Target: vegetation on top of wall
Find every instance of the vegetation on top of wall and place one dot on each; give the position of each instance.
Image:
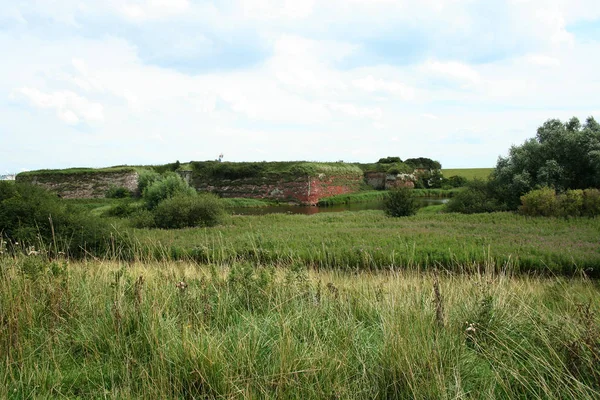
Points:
(394, 168)
(241, 170)
(389, 160)
(77, 171)
(423, 163)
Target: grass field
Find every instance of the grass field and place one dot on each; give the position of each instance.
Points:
(469, 173)
(370, 240)
(100, 329)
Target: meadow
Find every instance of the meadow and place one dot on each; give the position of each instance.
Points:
(368, 240)
(348, 305)
(177, 330)
(468, 173)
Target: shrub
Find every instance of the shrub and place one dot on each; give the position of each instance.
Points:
(570, 203)
(142, 218)
(33, 216)
(185, 211)
(541, 202)
(400, 203)
(164, 188)
(478, 197)
(123, 209)
(591, 202)
(456, 181)
(117, 192)
(146, 178)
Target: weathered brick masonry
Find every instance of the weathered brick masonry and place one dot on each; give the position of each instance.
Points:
(304, 190)
(83, 185)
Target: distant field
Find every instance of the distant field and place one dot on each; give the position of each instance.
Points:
(469, 173)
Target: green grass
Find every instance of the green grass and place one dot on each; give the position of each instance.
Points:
(99, 329)
(469, 173)
(213, 170)
(76, 171)
(370, 240)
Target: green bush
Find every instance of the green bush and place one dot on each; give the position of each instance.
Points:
(117, 192)
(142, 218)
(146, 178)
(400, 203)
(122, 209)
(478, 197)
(591, 202)
(170, 185)
(393, 171)
(570, 203)
(541, 202)
(183, 211)
(455, 181)
(34, 217)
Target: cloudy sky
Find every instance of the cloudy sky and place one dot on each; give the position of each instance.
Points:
(108, 82)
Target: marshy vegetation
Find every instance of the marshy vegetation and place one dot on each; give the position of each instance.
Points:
(249, 330)
(96, 300)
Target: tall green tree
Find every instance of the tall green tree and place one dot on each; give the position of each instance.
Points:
(561, 155)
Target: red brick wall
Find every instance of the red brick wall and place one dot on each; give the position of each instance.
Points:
(303, 190)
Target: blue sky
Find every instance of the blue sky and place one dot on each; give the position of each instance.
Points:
(99, 83)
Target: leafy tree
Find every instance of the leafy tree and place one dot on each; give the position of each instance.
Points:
(389, 160)
(423, 163)
(561, 156)
(146, 178)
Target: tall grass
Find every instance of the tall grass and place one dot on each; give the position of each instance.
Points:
(247, 330)
(370, 240)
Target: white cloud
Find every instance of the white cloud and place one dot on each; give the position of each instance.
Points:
(371, 84)
(352, 110)
(276, 9)
(153, 9)
(454, 71)
(69, 107)
(326, 71)
(542, 60)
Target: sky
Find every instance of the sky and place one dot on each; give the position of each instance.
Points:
(137, 82)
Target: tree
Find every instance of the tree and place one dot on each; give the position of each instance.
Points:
(561, 156)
